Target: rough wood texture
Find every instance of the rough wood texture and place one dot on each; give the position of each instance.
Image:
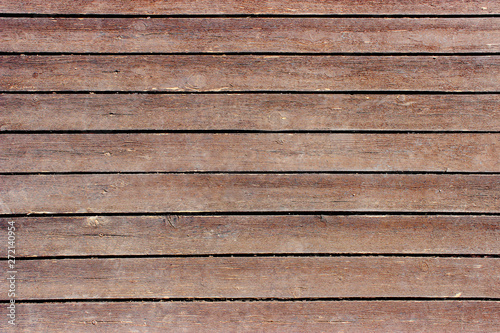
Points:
(96, 193)
(327, 35)
(250, 112)
(249, 152)
(181, 235)
(177, 73)
(299, 67)
(319, 316)
(264, 277)
(169, 7)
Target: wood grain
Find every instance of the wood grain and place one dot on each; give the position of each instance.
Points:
(345, 316)
(264, 277)
(279, 65)
(193, 235)
(168, 7)
(178, 73)
(270, 112)
(249, 152)
(112, 193)
(318, 35)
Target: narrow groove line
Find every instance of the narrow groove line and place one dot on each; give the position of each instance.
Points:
(288, 54)
(252, 299)
(246, 15)
(250, 92)
(261, 255)
(260, 213)
(229, 131)
(285, 172)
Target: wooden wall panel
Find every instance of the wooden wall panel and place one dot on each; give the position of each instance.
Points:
(388, 316)
(265, 277)
(199, 73)
(114, 193)
(243, 234)
(316, 35)
(293, 7)
(249, 152)
(266, 112)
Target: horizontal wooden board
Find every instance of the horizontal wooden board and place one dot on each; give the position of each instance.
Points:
(345, 316)
(264, 277)
(273, 112)
(168, 7)
(318, 35)
(187, 235)
(249, 152)
(178, 73)
(96, 193)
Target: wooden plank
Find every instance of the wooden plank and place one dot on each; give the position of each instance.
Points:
(249, 152)
(264, 277)
(359, 316)
(318, 35)
(192, 235)
(112, 193)
(168, 7)
(273, 112)
(177, 73)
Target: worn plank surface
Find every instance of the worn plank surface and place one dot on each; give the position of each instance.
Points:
(294, 66)
(317, 35)
(176, 73)
(264, 277)
(168, 7)
(96, 193)
(242, 234)
(249, 152)
(319, 316)
(269, 112)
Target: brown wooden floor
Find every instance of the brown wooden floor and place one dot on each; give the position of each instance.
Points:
(250, 166)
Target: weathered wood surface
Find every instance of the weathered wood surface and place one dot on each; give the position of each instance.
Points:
(300, 55)
(318, 316)
(240, 234)
(316, 35)
(113, 193)
(178, 73)
(185, 7)
(269, 112)
(249, 152)
(264, 277)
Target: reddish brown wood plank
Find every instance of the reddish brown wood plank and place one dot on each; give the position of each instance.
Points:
(96, 193)
(264, 277)
(327, 35)
(249, 152)
(181, 235)
(359, 316)
(249, 112)
(177, 73)
(168, 7)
